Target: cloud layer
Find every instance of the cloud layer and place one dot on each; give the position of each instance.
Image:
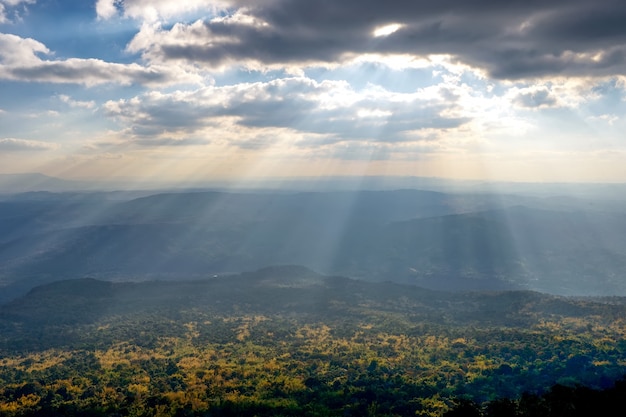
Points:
(12, 144)
(507, 40)
(20, 60)
(447, 84)
(330, 111)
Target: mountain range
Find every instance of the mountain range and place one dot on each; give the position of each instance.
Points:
(278, 291)
(445, 241)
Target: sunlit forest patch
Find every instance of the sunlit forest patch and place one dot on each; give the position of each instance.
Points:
(370, 351)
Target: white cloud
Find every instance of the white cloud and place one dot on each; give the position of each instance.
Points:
(106, 9)
(157, 10)
(4, 4)
(609, 119)
(14, 3)
(22, 51)
(77, 103)
(19, 60)
(304, 112)
(152, 37)
(394, 61)
(38, 115)
(333, 118)
(152, 41)
(240, 17)
(12, 144)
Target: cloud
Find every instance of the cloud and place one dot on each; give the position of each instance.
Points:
(11, 5)
(11, 144)
(507, 40)
(76, 103)
(332, 109)
(20, 61)
(534, 97)
(153, 10)
(609, 119)
(165, 141)
(106, 9)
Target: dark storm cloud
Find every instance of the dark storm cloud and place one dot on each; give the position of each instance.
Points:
(509, 39)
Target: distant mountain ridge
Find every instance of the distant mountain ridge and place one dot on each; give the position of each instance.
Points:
(426, 238)
(281, 289)
(18, 183)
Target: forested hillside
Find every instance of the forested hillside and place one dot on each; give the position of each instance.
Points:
(287, 341)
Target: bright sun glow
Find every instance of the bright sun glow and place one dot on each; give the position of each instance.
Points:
(387, 29)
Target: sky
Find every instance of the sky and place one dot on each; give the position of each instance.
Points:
(238, 89)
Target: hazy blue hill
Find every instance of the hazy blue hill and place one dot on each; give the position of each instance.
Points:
(287, 290)
(569, 252)
(435, 240)
(12, 183)
(273, 288)
(31, 213)
(47, 236)
(517, 247)
(224, 209)
(114, 250)
(71, 301)
(448, 252)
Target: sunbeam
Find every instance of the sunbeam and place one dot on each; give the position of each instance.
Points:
(322, 208)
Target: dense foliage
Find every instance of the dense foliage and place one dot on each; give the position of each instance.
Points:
(285, 341)
(557, 402)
